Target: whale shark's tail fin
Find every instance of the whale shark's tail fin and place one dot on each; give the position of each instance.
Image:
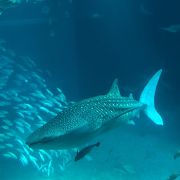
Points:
(147, 98)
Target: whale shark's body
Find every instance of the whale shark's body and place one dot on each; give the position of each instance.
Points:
(85, 120)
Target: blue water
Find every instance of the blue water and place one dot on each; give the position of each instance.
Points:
(54, 52)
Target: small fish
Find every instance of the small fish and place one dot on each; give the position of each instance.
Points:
(34, 161)
(173, 176)
(52, 113)
(83, 152)
(172, 28)
(59, 90)
(4, 96)
(5, 127)
(5, 103)
(28, 62)
(41, 156)
(20, 129)
(7, 72)
(57, 110)
(26, 112)
(20, 114)
(49, 92)
(61, 98)
(26, 150)
(12, 93)
(27, 125)
(47, 103)
(49, 168)
(23, 160)
(26, 99)
(38, 125)
(40, 79)
(38, 94)
(20, 142)
(3, 112)
(9, 145)
(17, 99)
(44, 109)
(10, 155)
(25, 106)
(177, 154)
(19, 123)
(7, 122)
(61, 167)
(56, 102)
(40, 118)
(11, 134)
(45, 153)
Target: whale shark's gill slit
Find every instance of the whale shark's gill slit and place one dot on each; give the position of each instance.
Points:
(42, 141)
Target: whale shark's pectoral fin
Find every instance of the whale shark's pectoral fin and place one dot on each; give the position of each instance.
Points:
(114, 91)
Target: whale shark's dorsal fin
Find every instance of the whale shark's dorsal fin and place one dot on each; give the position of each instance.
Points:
(114, 91)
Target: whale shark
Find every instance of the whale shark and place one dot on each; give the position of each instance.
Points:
(85, 120)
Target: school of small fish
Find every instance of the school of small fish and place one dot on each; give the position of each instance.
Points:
(26, 103)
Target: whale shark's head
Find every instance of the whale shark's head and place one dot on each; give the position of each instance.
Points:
(63, 132)
(47, 137)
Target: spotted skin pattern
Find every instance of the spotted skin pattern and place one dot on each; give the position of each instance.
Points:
(84, 120)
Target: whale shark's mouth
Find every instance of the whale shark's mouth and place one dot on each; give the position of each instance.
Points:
(45, 140)
(45, 143)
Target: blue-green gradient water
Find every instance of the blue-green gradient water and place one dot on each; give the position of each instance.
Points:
(55, 52)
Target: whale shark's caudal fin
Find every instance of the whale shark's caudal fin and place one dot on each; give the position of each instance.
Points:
(147, 98)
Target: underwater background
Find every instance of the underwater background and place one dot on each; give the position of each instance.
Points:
(54, 52)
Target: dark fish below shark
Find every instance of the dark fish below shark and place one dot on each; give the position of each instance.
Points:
(85, 120)
(86, 150)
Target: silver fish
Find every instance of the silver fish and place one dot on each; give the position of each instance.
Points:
(34, 161)
(20, 129)
(47, 103)
(5, 127)
(45, 153)
(9, 145)
(10, 155)
(7, 122)
(49, 92)
(44, 109)
(3, 112)
(38, 94)
(172, 28)
(23, 160)
(49, 168)
(41, 156)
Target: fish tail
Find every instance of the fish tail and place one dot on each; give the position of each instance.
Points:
(147, 98)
